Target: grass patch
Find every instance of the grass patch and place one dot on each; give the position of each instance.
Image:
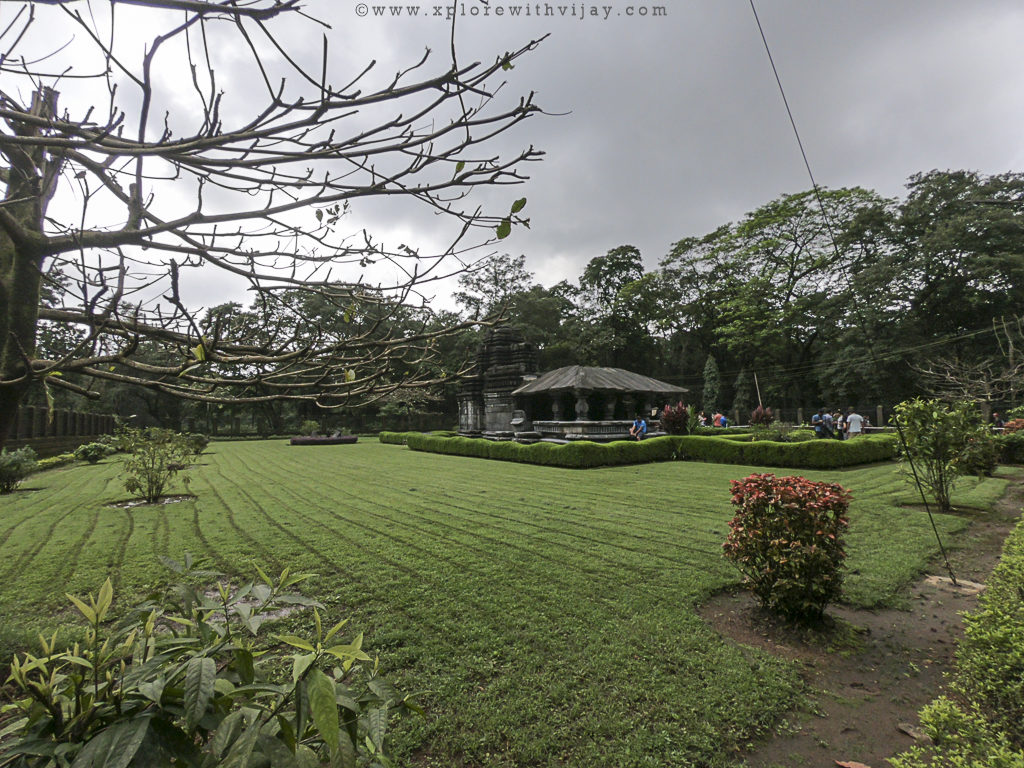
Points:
(548, 612)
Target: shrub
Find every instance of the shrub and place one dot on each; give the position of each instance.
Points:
(15, 466)
(676, 421)
(984, 727)
(725, 448)
(1014, 425)
(52, 462)
(309, 427)
(156, 456)
(990, 659)
(787, 541)
(962, 738)
(761, 417)
(1011, 447)
(196, 442)
(91, 452)
(179, 682)
(782, 432)
(945, 441)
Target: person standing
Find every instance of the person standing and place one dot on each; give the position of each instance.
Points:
(854, 423)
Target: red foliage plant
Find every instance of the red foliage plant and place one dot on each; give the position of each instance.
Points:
(676, 421)
(1013, 426)
(787, 541)
(761, 416)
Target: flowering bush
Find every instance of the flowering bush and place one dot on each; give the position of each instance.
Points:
(761, 417)
(676, 421)
(787, 541)
(1015, 425)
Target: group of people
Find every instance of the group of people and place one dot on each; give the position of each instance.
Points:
(837, 425)
(717, 419)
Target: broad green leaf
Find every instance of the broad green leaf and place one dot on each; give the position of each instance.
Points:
(243, 747)
(105, 599)
(226, 733)
(244, 665)
(377, 725)
(335, 629)
(301, 664)
(323, 707)
(295, 642)
(153, 690)
(345, 755)
(200, 674)
(459, 166)
(504, 229)
(199, 353)
(518, 205)
(126, 738)
(85, 610)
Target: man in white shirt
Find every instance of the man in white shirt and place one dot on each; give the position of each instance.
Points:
(854, 424)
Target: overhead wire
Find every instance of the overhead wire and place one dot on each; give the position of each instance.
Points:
(857, 309)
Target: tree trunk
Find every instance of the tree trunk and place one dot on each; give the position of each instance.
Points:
(31, 178)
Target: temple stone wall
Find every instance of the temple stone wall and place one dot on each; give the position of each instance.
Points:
(504, 362)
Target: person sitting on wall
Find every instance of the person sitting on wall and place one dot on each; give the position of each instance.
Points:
(639, 428)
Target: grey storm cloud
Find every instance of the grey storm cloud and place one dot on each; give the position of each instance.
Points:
(664, 119)
(668, 126)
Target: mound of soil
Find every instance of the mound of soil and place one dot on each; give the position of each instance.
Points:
(870, 672)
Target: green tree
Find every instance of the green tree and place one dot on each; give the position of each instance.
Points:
(943, 440)
(712, 391)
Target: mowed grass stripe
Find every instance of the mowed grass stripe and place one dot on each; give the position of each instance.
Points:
(455, 565)
(546, 635)
(488, 555)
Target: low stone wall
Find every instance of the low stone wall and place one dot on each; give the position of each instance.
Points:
(64, 432)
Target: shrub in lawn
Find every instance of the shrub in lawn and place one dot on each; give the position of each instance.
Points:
(309, 427)
(91, 452)
(945, 440)
(180, 682)
(156, 456)
(676, 420)
(196, 442)
(15, 466)
(787, 541)
(761, 417)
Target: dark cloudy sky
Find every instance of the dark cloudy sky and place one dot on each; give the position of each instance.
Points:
(668, 123)
(673, 125)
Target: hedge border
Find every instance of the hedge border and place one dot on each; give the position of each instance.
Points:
(816, 454)
(983, 726)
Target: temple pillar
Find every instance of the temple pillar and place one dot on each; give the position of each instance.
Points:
(556, 406)
(609, 406)
(630, 404)
(582, 406)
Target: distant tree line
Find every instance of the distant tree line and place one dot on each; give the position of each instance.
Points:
(873, 300)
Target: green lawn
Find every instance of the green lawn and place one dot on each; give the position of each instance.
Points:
(549, 613)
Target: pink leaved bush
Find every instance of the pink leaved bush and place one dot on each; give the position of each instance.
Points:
(787, 541)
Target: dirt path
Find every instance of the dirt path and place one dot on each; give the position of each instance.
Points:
(871, 672)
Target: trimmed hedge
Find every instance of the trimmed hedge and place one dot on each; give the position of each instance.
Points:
(984, 726)
(818, 454)
(394, 438)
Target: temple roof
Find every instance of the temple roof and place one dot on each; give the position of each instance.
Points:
(591, 379)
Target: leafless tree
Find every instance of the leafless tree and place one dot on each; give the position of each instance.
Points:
(987, 380)
(126, 164)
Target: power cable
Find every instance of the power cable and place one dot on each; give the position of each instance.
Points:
(860, 318)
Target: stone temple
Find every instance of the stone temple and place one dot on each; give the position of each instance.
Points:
(505, 398)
